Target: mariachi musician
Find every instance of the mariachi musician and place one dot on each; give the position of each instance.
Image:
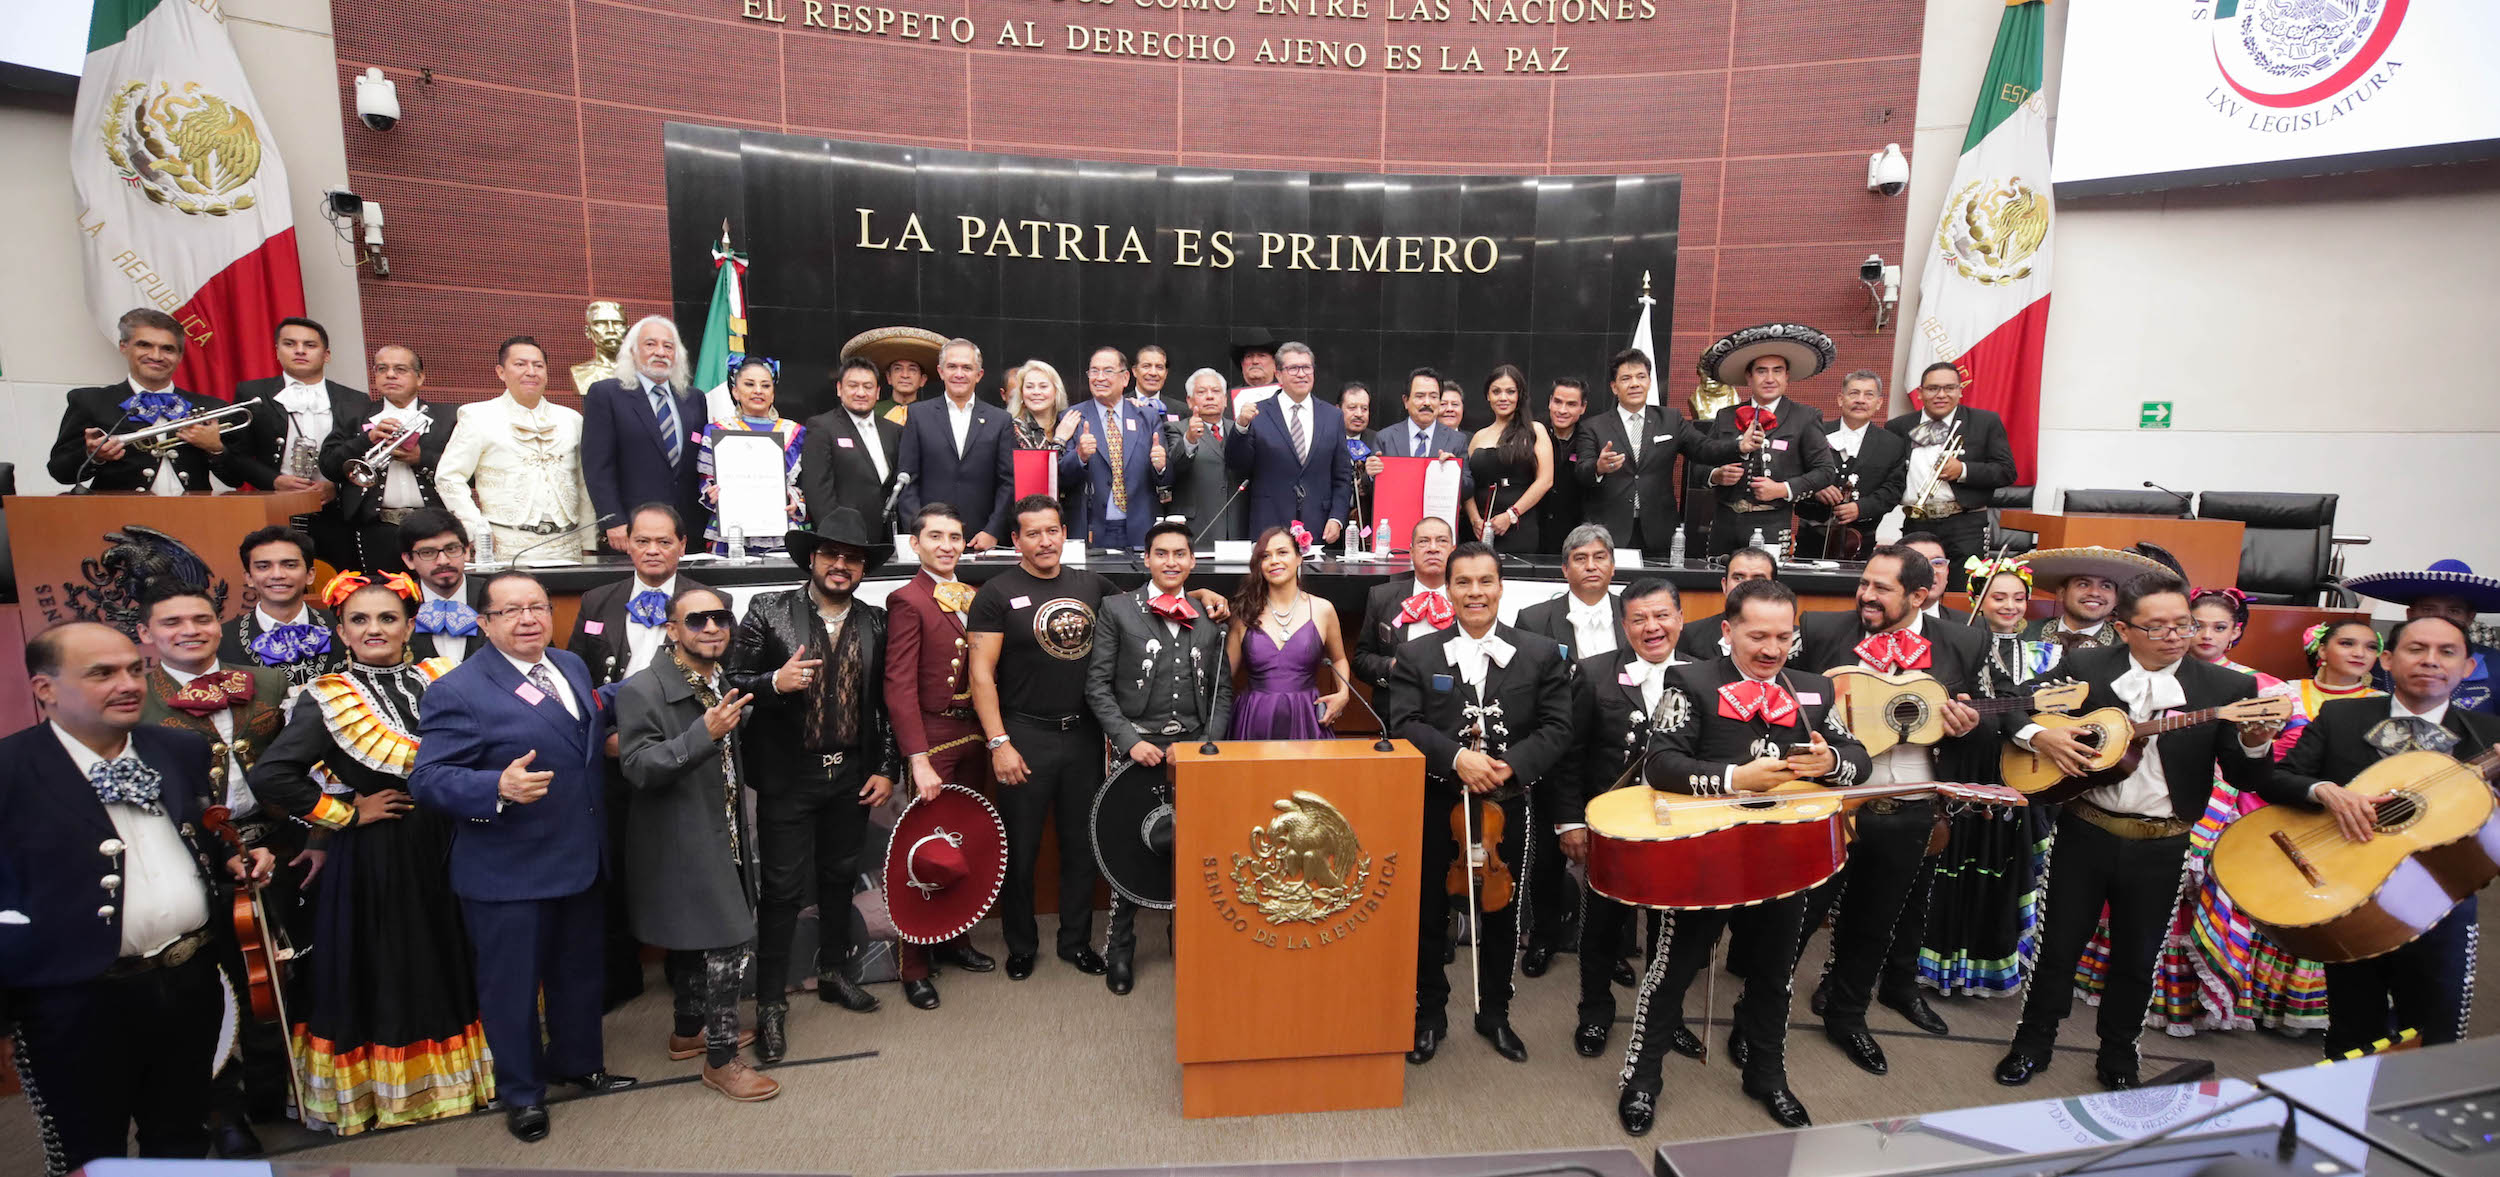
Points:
(1768, 451)
(1732, 726)
(1871, 466)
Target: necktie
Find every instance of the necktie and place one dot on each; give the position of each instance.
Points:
(546, 682)
(954, 596)
(1745, 698)
(127, 781)
(2405, 733)
(1301, 437)
(1894, 651)
(211, 693)
(672, 439)
(289, 643)
(1431, 608)
(448, 619)
(649, 608)
(1420, 445)
(1111, 454)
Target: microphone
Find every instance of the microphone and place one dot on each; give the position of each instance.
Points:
(2187, 506)
(1219, 513)
(514, 560)
(1382, 744)
(79, 485)
(902, 478)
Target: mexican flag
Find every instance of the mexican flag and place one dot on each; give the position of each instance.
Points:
(1984, 298)
(724, 329)
(181, 195)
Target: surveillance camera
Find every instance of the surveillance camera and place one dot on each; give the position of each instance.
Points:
(339, 204)
(373, 224)
(1872, 269)
(1887, 172)
(377, 100)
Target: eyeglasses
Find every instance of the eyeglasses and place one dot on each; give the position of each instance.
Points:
(1940, 388)
(710, 619)
(1297, 368)
(450, 551)
(539, 609)
(1106, 372)
(2161, 631)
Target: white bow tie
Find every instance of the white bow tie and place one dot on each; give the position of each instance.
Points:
(298, 397)
(1645, 673)
(2148, 692)
(1597, 614)
(1470, 654)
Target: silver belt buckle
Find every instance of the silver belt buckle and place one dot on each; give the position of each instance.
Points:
(833, 758)
(1172, 727)
(179, 952)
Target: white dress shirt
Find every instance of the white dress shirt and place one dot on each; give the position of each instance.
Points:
(1924, 458)
(307, 415)
(959, 418)
(1592, 627)
(642, 641)
(450, 650)
(2146, 791)
(1650, 679)
(1416, 629)
(1847, 439)
(1471, 655)
(161, 897)
(1905, 761)
(865, 425)
(399, 484)
(238, 796)
(564, 690)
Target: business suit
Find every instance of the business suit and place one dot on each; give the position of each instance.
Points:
(1987, 463)
(377, 535)
(979, 481)
(1875, 472)
(101, 408)
(96, 1051)
(529, 876)
(1795, 451)
(1398, 441)
(1137, 475)
(624, 461)
(1202, 486)
(1636, 503)
(1551, 619)
(836, 471)
(2427, 985)
(1285, 489)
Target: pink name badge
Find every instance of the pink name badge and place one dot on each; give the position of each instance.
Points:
(530, 694)
(1625, 677)
(1810, 698)
(1018, 602)
(594, 627)
(1779, 443)
(844, 442)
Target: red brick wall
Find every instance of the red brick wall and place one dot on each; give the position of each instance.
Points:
(526, 178)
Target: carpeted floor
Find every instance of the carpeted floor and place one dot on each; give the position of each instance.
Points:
(1057, 1072)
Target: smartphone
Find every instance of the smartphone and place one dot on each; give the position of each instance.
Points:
(1797, 750)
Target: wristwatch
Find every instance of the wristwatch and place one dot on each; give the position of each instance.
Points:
(994, 743)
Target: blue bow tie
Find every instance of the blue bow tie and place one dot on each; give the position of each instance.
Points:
(290, 643)
(448, 619)
(153, 407)
(649, 607)
(127, 781)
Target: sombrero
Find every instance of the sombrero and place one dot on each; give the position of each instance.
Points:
(2447, 578)
(884, 345)
(2051, 567)
(944, 866)
(1133, 834)
(1807, 351)
(843, 528)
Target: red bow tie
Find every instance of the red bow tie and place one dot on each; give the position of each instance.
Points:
(1432, 609)
(1175, 607)
(1747, 416)
(211, 693)
(1894, 651)
(1745, 698)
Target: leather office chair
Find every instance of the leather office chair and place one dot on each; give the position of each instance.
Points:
(2001, 500)
(8, 565)
(2126, 502)
(2288, 554)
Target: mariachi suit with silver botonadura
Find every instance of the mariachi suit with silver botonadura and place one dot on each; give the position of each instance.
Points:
(1143, 681)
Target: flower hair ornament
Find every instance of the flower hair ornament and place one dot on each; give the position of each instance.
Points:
(1981, 570)
(1302, 539)
(2313, 639)
(347, 584)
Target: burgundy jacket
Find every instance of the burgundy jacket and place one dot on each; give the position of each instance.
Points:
(928, 670)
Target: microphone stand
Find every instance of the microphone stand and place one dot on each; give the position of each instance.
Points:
(902, 478)
(514, 561)
(1382, 744)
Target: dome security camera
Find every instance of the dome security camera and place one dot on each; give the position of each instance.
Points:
(1887, 171)
(377, 100)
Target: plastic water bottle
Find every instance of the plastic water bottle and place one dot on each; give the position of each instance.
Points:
(1675, 549)
(486, 545)
(1758, 542)
(738, 545)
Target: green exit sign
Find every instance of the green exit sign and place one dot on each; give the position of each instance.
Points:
(2156, 415)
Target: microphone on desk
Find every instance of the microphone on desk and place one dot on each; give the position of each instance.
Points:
(514, 561)
(1382, 744)
(1219, 513)
(2187, 506)
(902, 478)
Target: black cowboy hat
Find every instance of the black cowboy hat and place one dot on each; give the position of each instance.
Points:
(1133, 834)
(1250, 339)
(842, 527)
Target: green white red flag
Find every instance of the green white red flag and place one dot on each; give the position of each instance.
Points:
(724, 329)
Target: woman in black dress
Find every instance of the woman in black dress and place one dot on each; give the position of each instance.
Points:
(1512, 462)
(392, 1035)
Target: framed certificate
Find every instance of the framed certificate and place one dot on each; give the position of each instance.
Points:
(752, 475)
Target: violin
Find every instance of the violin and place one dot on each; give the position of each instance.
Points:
(264, 948)
(1483, 857)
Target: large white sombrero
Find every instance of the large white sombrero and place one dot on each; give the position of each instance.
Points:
(1807, 351)
(2447, 578)
(884, 345)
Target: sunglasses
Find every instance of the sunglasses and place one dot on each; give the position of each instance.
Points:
(707, 618)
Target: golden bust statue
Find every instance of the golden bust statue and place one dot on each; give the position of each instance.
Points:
(1710, 396)
(604, 324)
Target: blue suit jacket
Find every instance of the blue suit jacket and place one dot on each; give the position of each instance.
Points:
(1137, 440)
(1282, 488)
(979, 484)
(624, 462)
(475, 723)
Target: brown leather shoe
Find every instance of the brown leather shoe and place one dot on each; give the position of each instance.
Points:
(681, 1049)
(740, 1082)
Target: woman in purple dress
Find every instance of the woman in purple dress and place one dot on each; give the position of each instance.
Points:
(1278, 635)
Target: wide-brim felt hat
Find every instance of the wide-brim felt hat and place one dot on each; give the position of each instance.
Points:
(2055, 566)
(1250, 339)
(944, 865)
(884, 345)
(2447, 578)
(1807, 351)
(1133, 834)
(842, 527)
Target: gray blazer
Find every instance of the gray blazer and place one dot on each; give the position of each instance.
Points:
(682, 888)
(1201, 483)
(1122, 627)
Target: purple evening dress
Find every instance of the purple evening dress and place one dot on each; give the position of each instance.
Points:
(1280, 703)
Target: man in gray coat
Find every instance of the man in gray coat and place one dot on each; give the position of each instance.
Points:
(1202, 486)
(689, 853)
(1157, 677)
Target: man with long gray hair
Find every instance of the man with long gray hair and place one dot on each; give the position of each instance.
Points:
(638, 431)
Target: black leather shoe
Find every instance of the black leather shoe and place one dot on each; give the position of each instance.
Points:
(1505, 1040)
(527, 1123)
(1784, 1108)
(1087, 961)
(1019, 965)
(1638, 1110)
(1427, 1044)
(1738, 1050)
(235, 1140)
(1624, 976)
(1861, 1048)
(965, 957)
(772, 1032)
(2126, 1080)
(599, 1082)
(1821, 1000)
(1684, 1042)
(1119, 974)
(1914, 1009)
(1536, 960)
(2018, 1066)
(1590, 1039)
(836, 989)
(922, 994)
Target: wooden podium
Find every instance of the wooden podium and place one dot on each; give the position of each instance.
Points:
(59, 546)
(2208, 549)
(1294, 928)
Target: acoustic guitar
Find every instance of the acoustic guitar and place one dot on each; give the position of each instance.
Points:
(2117, 744)
(1653, 848)
(2436, 841)
(1884, 710)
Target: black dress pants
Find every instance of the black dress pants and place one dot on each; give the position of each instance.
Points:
(1557, 906)
(1497, 941)
(2139, 880)
(99, 1055)
(1604, 924)
(1882, 896)
(1064, 768)
(1762, 943)
(807, 831)
(2426, 986)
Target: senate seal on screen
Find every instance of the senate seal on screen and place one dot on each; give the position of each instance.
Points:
(2287, 53)
(183, 147)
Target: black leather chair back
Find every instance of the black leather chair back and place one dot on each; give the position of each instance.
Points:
(2000, 500)
(2285, 556)
(2125, 502)
(8, 563)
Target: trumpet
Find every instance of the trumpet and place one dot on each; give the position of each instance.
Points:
(160, 439)
(1951, 452)
(368, 470)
